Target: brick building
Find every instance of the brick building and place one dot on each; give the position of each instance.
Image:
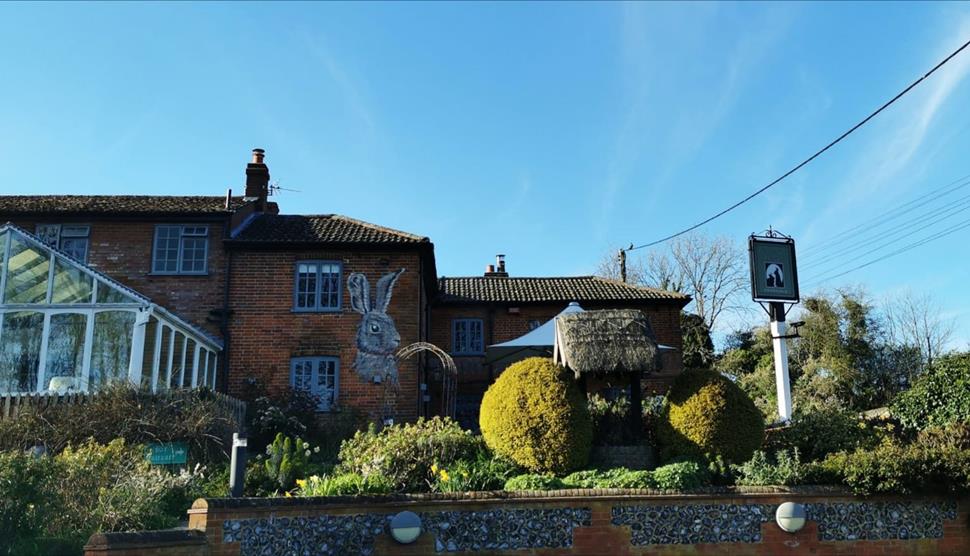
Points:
(471, 313)
(316, 302)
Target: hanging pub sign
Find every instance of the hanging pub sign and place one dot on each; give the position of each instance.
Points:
(774, 276)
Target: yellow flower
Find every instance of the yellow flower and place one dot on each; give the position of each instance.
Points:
(288, 495)
(434, 468)
(464, 474)
(301, 483)
(444, 476)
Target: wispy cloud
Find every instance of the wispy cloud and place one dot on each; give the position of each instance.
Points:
(675, 139)
(634, 50)
(902, 151)
(516, 202)
(348, 88)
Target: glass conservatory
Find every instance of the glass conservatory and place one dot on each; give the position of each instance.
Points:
(67, 328)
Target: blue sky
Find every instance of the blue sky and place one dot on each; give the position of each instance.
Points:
(549, 132)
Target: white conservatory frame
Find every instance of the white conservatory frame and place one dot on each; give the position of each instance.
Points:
(197, 365)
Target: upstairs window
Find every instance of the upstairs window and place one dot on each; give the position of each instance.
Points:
(317, 286)
(180, 249)
(317, 376)
(467, 337)
(72, 239)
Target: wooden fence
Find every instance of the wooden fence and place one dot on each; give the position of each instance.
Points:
(12, 404)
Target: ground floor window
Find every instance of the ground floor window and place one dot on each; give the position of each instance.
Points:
(318, 376)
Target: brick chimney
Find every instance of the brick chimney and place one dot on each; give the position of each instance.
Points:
(497, 271)
(257, 180)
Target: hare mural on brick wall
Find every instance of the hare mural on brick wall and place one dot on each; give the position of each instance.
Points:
(377, 337)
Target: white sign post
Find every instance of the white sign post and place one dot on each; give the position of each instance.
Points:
(782, 380)
(774, 280)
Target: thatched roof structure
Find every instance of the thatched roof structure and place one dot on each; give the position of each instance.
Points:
(614, 340)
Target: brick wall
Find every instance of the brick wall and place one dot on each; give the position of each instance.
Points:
(265, 332)
(173, 542)
(605, 522)
(122, 249)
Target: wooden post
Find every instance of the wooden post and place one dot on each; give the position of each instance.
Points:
(636, 407)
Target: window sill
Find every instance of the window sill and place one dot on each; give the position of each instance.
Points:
(316, 311)
(178, 273)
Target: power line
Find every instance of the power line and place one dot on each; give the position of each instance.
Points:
(953, 229)
(934, 217)
(888, 216)
(809, 159)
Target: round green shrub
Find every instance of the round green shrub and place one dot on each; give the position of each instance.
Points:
(536, 416)
(708, 415)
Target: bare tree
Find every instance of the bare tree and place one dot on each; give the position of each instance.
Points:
(916, 320)
(609, 267)
(711, 270)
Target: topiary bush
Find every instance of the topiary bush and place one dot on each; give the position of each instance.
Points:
(708, 415)
(536, 416)
(404, 454)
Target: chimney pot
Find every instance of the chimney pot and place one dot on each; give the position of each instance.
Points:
(496, 270)
(257, 180)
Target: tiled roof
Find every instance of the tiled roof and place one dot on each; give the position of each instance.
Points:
(115, 204)
(323, 228)
(485, 289)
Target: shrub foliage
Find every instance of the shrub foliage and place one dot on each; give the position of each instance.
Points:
(707, 414)
(404, 454)
(536, 416)
(53, 504)
(137, 416)
(939, 397)
(816, 434)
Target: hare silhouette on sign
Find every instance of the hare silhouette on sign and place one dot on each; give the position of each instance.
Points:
(377, 337)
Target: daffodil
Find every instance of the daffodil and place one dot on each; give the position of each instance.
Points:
(444, 476)
(301, 483)
(434, 468)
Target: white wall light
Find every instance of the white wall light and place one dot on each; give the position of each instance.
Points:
(406, 527)
(790, 516)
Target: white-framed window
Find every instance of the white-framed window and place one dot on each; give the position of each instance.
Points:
(180, 249)
(72, 239)
(467, 337)
(317, 286)
(319, 376)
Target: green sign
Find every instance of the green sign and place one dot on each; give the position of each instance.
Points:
(168, 453)
(774, 276)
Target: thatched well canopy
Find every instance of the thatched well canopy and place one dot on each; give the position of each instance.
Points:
(611, 341)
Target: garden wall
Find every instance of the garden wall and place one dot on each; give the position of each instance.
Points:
(588, 522)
